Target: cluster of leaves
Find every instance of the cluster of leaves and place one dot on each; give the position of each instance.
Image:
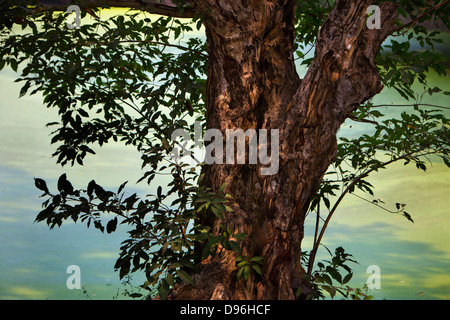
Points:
(206, 201)
(129, 78)
(310, 16)
(413, 138)
(248, 265)
(333, 276)
(163, 238)
(399, 66)
(418, 11)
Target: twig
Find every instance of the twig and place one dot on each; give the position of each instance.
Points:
(344, 193)
(410, 105)
(413, 22)
(148, 42)
(377, 205)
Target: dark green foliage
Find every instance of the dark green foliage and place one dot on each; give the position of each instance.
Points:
(333, 277)
(162, 237)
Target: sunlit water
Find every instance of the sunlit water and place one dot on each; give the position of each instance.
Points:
(414, 259)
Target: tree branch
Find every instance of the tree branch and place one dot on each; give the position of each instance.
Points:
(177, 46)
(341, 197)
(161, 7)
(423, 14)
(377, 205)
(410, 105)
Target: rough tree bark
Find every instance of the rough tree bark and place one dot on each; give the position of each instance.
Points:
(253, 83)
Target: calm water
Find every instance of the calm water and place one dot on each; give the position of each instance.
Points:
(414, 259)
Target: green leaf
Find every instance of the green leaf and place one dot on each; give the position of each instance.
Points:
(240, 273)
(121, 187)
(41, 185)
(235, 246)
(330, 289)
(44, 214)
(327, 279)
(241, 264)
(170, 280)
(184, 276)
(217, 212)
(83, 113)
(257, 268)
(124, 268)
(64, 185)
(91, 188)
(446, 161)
(240, 236)
(24, 89)
(206, 251)
(336, 275)
(111, 225)
(246, 272)
(408, 216)
(14, 65)
(257, 259)
(164, 290)
(347, 278)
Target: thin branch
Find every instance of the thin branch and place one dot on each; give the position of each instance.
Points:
(165, 8)
(148, 42)
(363, 120)
(316, 231)
(410, 105)
(377, 205)
(344, 193)
(410, 24)
(135, 108)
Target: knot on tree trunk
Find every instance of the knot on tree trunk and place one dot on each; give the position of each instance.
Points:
(219, 293)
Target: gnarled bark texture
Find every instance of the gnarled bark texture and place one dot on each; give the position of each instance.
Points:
(253, 83)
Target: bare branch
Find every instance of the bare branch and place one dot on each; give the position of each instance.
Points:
(410, 105)
(180, 47)
(161, 7)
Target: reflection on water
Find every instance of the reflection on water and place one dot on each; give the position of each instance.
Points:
(414, 258)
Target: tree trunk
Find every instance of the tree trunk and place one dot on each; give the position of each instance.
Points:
(253, 83)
